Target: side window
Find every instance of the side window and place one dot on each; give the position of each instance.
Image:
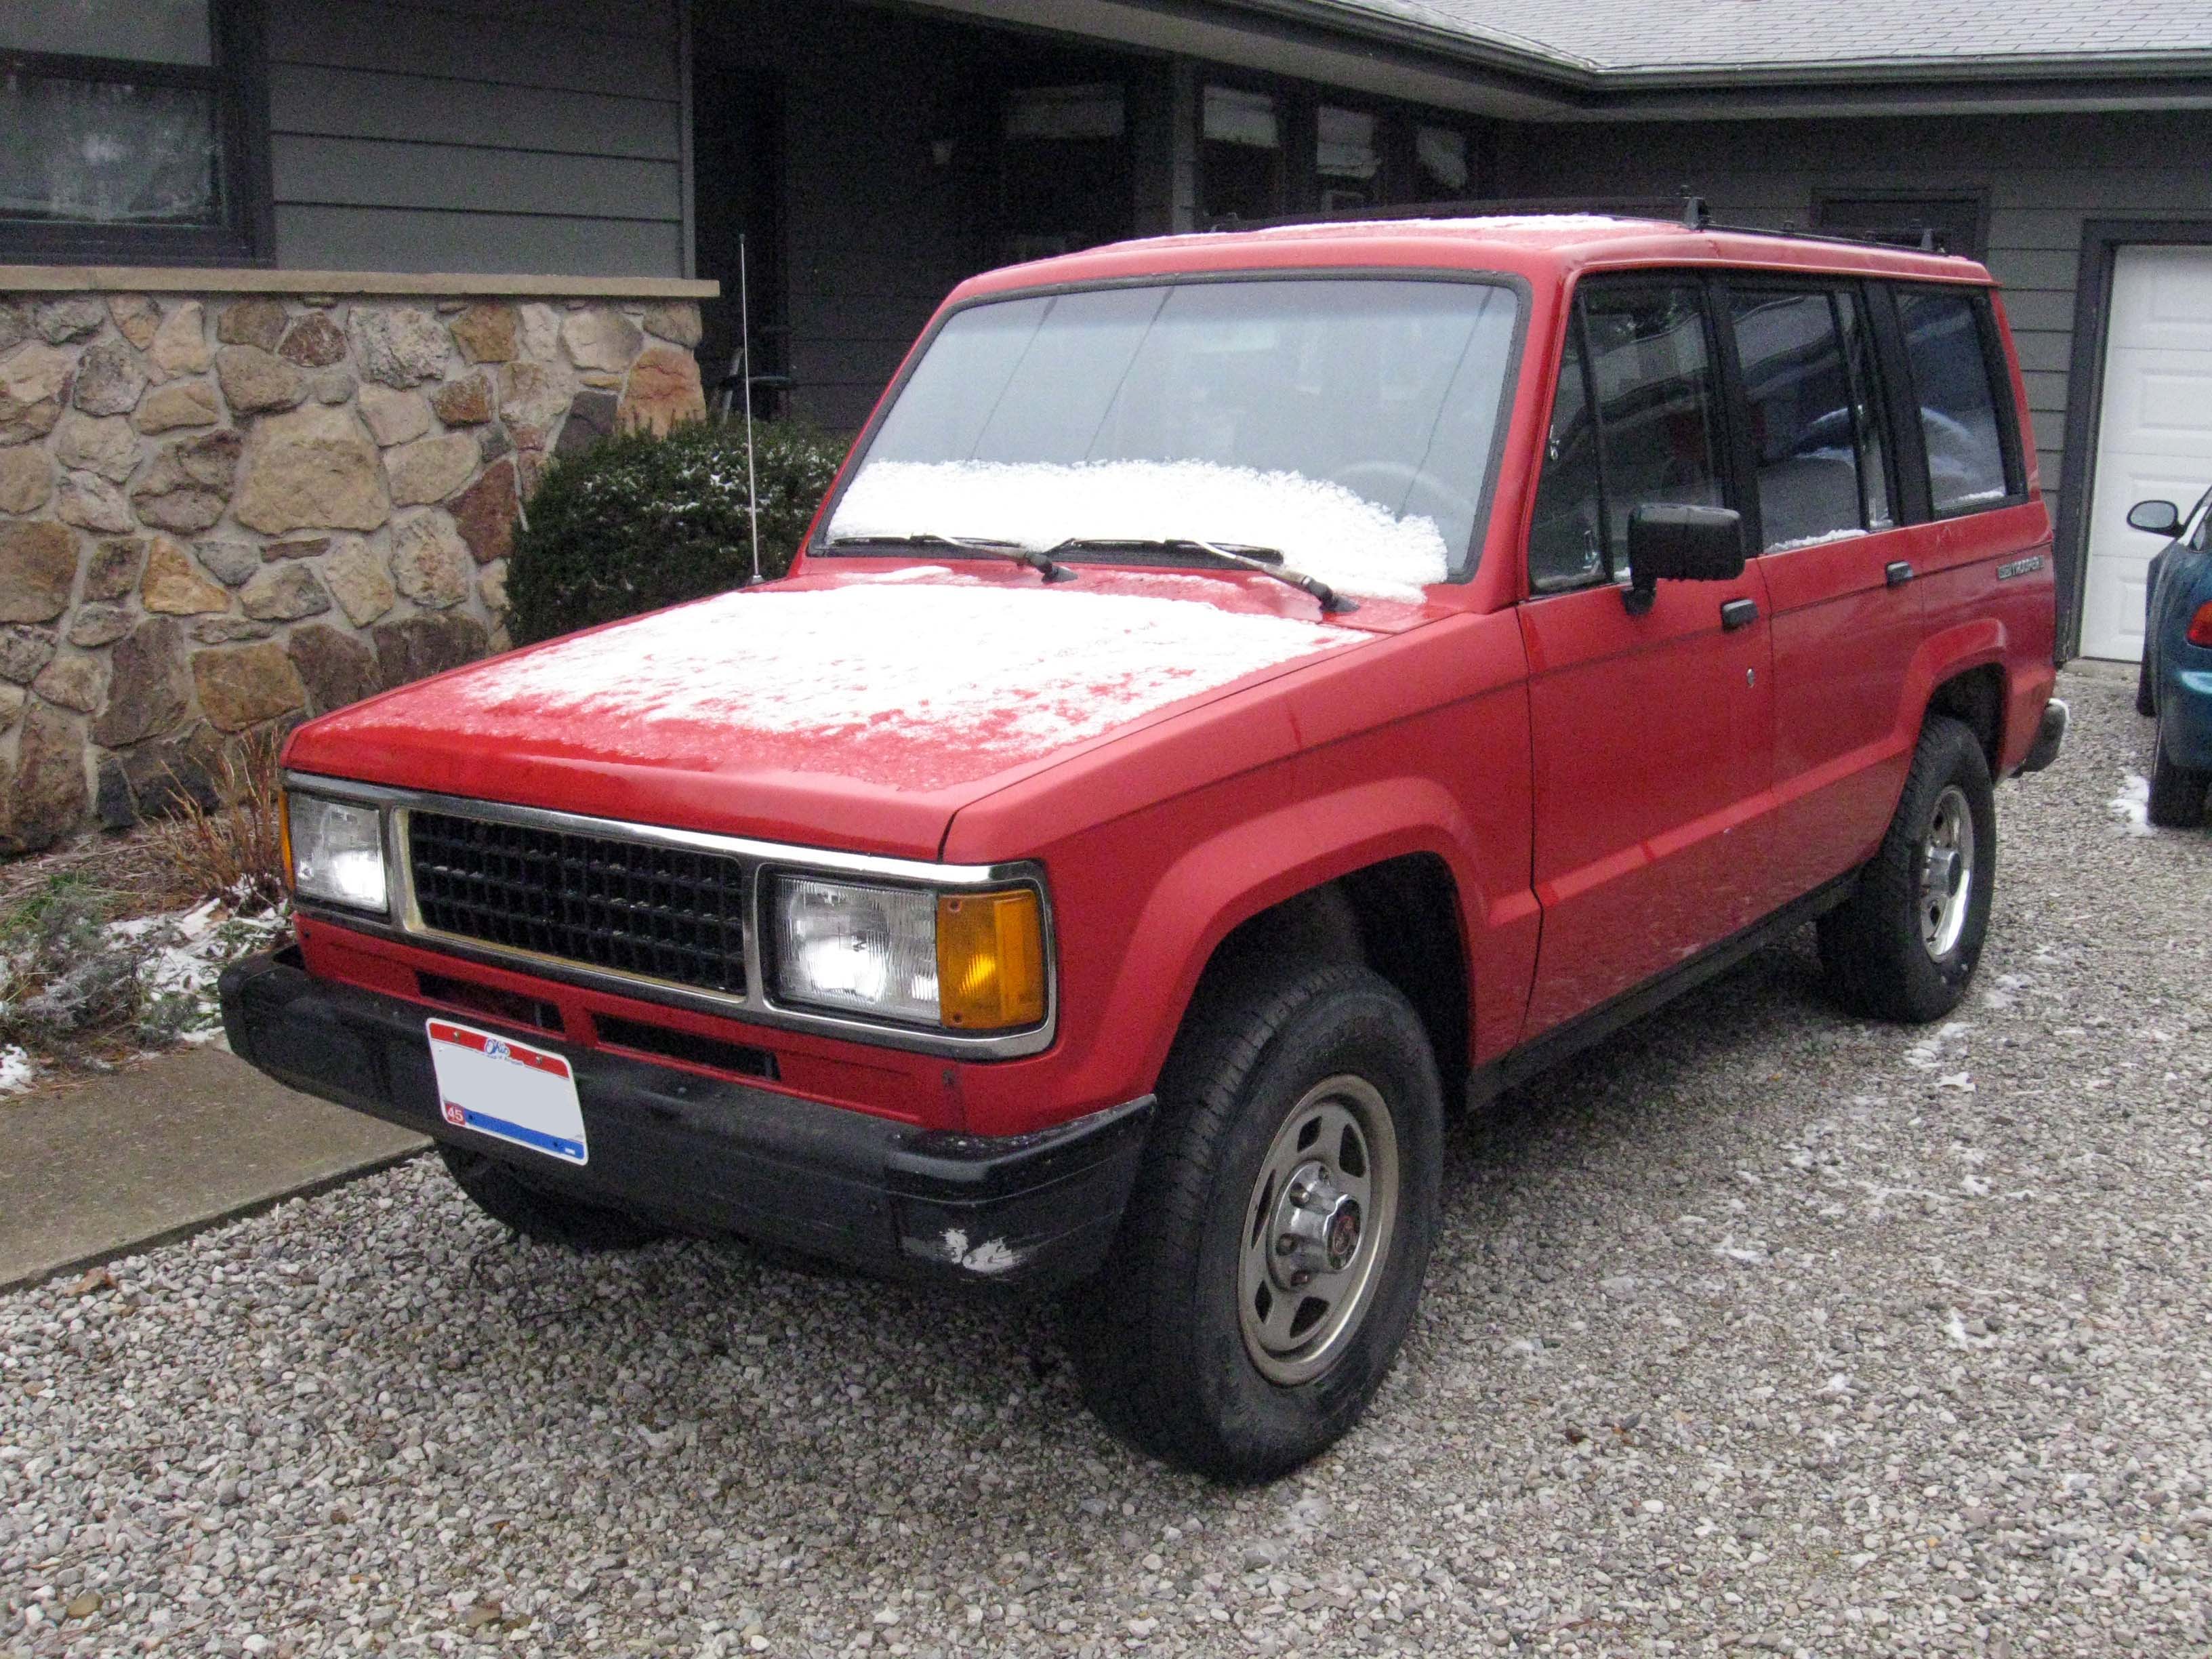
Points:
(1565, 549)
(1658, 425)
(1958, 405)
(1804, 431)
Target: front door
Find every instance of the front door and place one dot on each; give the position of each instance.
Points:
(1653, 733)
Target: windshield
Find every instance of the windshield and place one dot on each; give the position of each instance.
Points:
(1345, 423)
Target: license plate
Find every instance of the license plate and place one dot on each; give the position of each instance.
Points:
(506, 1089)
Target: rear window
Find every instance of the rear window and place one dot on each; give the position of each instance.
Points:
(1947, 350)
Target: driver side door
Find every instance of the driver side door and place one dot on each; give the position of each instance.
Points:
(1653, 734)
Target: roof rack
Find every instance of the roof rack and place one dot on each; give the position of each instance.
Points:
(1690, 211)
(1619, 207)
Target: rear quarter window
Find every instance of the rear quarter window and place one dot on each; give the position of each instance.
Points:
(1948, 352)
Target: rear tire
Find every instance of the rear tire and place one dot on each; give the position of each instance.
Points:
(1905, 944)
(2146, 699)
(1189, 1345)
(548, 1218)
(2176, 795)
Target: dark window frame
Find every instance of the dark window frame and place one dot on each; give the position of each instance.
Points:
(1976, 198)
(237, 80)
(1732, 471)
(1997, 365)
(1879, 403)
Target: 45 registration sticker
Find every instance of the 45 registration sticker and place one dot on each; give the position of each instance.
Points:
(507, 1089)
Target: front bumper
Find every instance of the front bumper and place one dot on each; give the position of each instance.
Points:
(2048, 737)
(711, 1155)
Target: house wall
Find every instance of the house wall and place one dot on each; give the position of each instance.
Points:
(2043, 176)
(478, 136)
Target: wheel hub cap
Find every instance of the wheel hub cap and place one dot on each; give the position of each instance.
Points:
(1947, 873)
(1317, 1230)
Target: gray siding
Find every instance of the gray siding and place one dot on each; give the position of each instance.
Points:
(478, 136)
(2043, 176)
(874, 233)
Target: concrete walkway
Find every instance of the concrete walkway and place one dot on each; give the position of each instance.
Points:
(153, 1153)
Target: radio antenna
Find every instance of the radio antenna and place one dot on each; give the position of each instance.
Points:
(745, 391)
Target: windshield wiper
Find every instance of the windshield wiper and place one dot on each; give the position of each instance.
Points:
(1043, 563)
(1267, 560)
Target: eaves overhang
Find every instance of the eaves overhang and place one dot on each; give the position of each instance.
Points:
(1504, 77)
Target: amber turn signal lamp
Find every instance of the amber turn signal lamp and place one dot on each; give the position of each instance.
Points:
(990, 960)
(2200, 625)
(284, 835)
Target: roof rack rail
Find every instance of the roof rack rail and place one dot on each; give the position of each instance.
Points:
(1619, 207)
(1690, 211)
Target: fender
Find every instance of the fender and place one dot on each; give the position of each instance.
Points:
(1979, 643)
(1230, 877)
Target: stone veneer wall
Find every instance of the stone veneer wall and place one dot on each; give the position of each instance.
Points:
(222, 512)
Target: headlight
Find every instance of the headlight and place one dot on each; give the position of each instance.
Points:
(338, 851)
(966, 962)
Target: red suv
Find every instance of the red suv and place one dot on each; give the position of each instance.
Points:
(1244, 692)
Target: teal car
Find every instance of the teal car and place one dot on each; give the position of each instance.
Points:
(2176, 687)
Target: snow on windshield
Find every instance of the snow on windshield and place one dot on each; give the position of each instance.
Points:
(1346, 423)
(1011, 672)
(1322, 529)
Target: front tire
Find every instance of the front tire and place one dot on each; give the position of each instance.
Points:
(2177, 795)
(1270, 1258)
(548, 1218)
(1905, 944)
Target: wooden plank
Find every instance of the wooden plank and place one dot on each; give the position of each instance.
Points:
(353, 34)
(309, 279)
(373, 172)
(2045, 350)
(2043, 229)
(413, 239)
(651, 22)
(367, 104)
(2029, 309)
(2046, 393)
(2051, 270)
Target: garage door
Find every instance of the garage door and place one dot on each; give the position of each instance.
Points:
(2154, 440)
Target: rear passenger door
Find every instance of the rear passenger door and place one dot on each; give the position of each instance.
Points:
(1652, 733)
(1839, 571)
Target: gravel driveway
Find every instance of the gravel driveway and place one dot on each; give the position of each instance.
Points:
(1754, 1329)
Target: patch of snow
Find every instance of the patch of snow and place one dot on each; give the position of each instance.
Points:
(1821, 540)
(905, 574)
(186, 952)
(1320, 527)
(993, 1256)
(2132, 804)
(1007, 673)
(16, 1071)
(1578, 221)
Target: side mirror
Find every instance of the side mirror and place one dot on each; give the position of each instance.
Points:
(1669, 542)
(2157, 518)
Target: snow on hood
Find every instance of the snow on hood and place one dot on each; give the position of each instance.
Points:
(963, 679)
(1322, 528)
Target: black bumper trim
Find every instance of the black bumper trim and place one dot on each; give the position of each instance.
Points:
(714, 1155)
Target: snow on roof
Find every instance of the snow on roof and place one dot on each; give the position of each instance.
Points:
(1005, 674)
(1321, 528)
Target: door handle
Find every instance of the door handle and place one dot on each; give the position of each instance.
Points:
(1898, 573)
(1739, 613)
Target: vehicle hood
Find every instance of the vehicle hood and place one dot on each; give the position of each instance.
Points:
(859, 708)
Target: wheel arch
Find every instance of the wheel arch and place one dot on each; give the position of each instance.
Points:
(1381, 873)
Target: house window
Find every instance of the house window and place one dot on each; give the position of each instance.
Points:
(1240, 154)
(1943, 224)
(1067, 175)
(129, 131)
(1348, 156)
(1441, 169)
